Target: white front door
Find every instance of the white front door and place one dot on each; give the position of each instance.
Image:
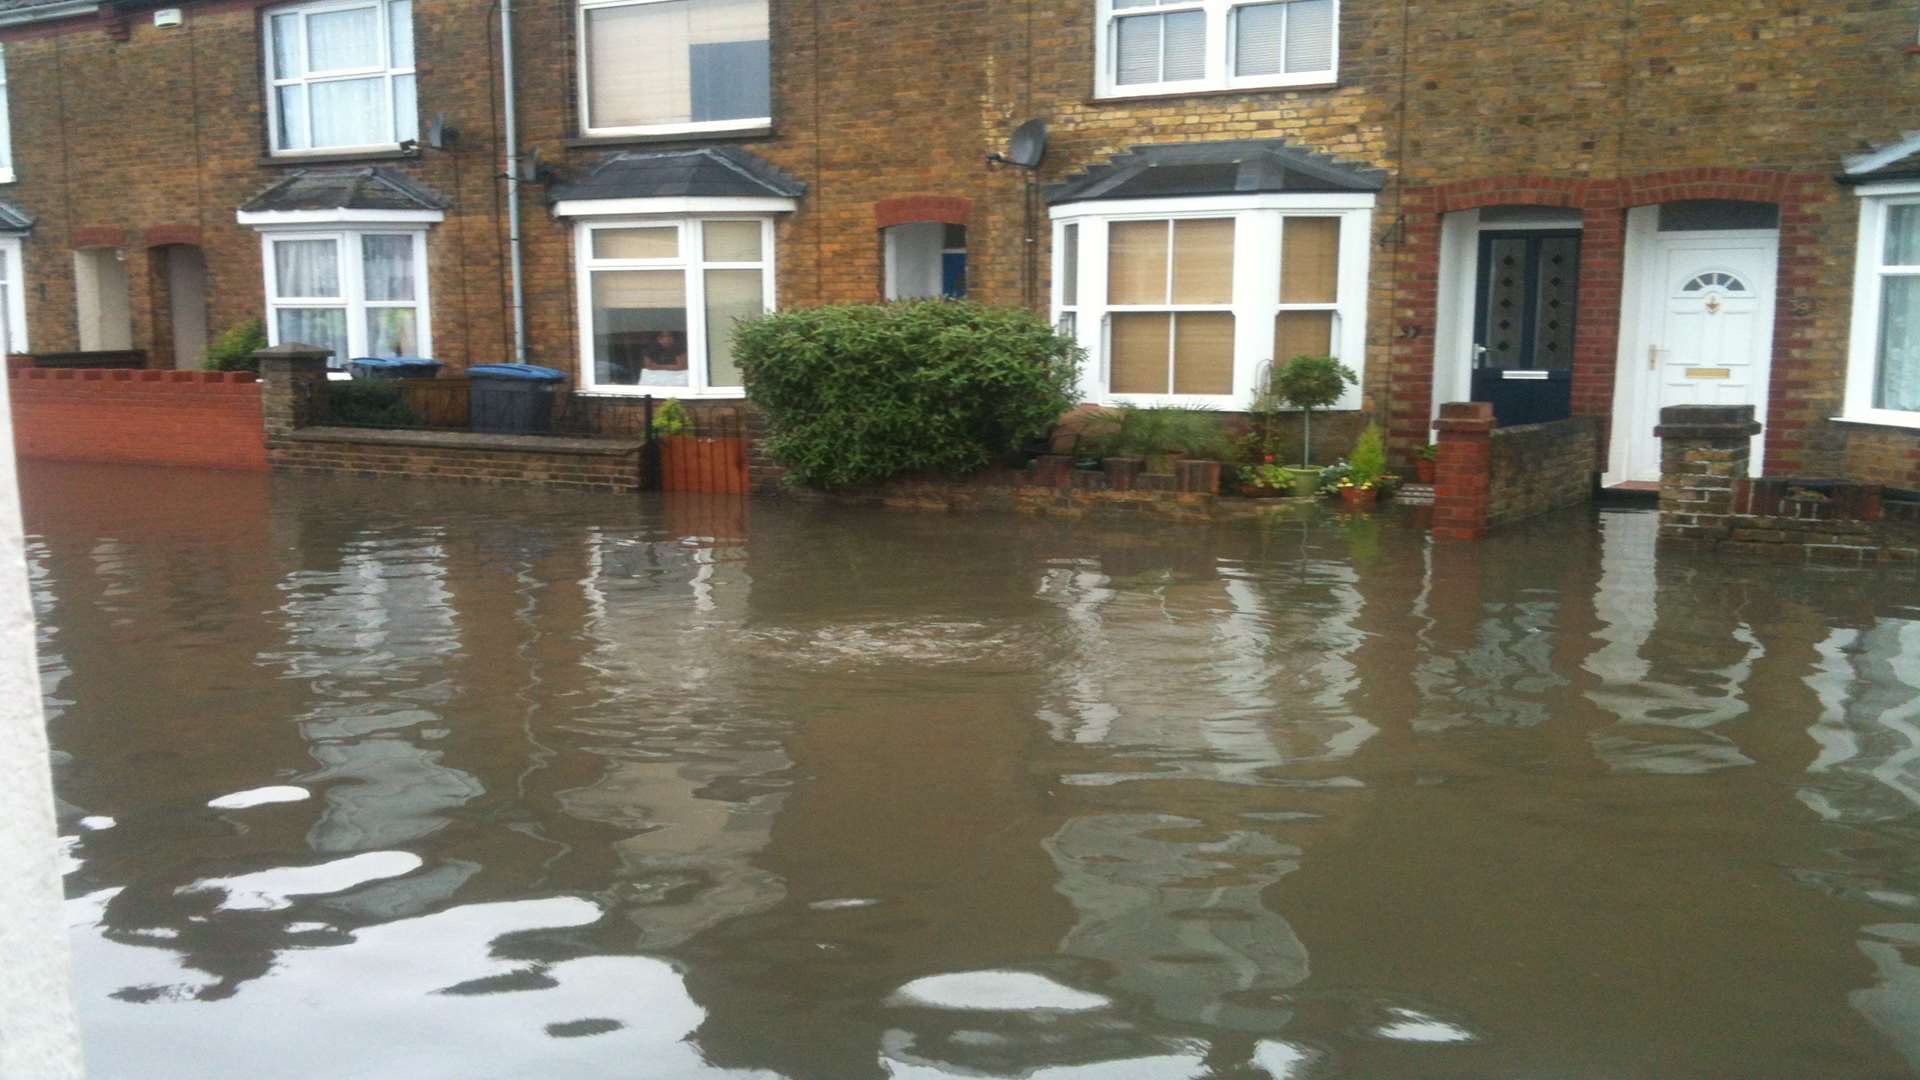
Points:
(1704, 337)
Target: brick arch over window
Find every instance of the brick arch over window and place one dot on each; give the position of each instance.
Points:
(946, 209)
(1604, 204)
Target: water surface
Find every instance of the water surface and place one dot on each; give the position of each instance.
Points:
(378, 779)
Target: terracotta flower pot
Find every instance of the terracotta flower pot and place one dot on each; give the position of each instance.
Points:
(1424, 469)
(1355, 497)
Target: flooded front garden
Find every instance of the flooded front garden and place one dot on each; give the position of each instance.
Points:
(370, 779)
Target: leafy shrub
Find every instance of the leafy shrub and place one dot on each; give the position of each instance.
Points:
(233, 350)
(1369, 460)
(856, 393)
(1309, 383)
(374, 403)
(1136, 432)
(671, 419)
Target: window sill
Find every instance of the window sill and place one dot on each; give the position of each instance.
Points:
(1233, 91)
(319, 157)
(588, 142)
(1895, 421)
(678, 393)
(7, 177)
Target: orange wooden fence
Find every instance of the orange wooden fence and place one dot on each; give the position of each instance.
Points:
(703, 463)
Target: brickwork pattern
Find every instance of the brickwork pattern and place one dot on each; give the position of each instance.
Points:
(611, 467)
(203, 419)
(1539, 468)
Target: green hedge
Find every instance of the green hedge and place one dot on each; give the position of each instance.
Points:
(856, 393)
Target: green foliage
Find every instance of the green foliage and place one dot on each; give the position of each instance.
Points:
(368, 403)
(1369, 460)
(1266, 475)
(671, 419)
(233, 350)
(1309, 383)
(1428, 452)
(856, 393)
(1136, 432)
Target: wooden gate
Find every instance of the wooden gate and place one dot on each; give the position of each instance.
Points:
(712, 464)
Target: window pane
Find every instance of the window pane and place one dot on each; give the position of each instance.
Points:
(1203, 352)
(1203, 261)
(286, 46)
(732, 296)
(400, 34)
(1185, 53)
(650, 243)
(640, 327)
(1139, 360)
(349, 112)
(1897, 385)
(1302, 333)
(388, 266)
(731, 241)
(305, 269)
(340, 40)
(6, 134)
(393, 332)
(1903, 235)
(1070, 265)
(1137, 262)
(293, 117)
(1137, 50)
(406, 109)
(1310, 36)
(322, 327)
(1310, 260)
(1257, 39)
(677, 61)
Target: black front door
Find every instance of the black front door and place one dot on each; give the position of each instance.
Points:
(1523, 320)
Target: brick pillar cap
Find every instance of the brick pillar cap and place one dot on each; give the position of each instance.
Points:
(1707, 422)
(1465, 417)
(288, 350)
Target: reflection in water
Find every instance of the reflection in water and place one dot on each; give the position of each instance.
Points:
(405, 780)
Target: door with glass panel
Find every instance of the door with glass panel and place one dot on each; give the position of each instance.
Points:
(1525, 304)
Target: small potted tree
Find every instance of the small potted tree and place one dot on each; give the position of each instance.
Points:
(1308, 383)
(1365, 469)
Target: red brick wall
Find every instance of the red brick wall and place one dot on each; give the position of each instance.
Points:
(206, 419)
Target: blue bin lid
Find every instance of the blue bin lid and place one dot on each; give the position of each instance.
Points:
(529, 372)
(394, 361)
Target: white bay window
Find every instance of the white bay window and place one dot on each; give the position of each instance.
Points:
(1182, 46)
(358, 292)
(1883, 366)
(340, 76)
(6, 131)
(660, 296)
(1190, 301)
(670, 66)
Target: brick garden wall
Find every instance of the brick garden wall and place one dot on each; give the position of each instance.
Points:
(206, 419)
(603, 465)
(1537, 468)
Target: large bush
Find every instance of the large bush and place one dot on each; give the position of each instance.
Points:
(856, 393)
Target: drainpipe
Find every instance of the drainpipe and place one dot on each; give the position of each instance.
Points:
(513, 185)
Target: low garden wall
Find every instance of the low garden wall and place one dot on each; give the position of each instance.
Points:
(142, 417)
(609, 465)
(1487, 476)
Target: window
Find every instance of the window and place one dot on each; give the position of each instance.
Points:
(1175, 46)
(674, 66)
(659, 298)
(1191, 307)
(6, 127)
(357, 292)
(340, 76)
(1883, 368)
(13, 304)
(926, 259)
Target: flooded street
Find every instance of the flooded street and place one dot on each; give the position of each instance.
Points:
(376, 779)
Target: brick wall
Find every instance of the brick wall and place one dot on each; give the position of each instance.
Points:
(1536, 468)
(569, 464)
(206, 419)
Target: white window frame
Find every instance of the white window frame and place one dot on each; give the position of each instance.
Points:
(1257, 256)
(1863, 346)
(6, 122)
(13, 287)
(690, 259)
(1220, 19)
(353, 298)
(691, 127)
(385, 69)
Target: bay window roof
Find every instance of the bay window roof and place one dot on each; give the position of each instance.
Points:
(1234, 167)
(13, 220)
(343, 189)
(709, 172)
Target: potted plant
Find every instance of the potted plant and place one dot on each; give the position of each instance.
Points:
(1164, 437)
(1425, 462)
(1365, 469)
(1265, 480)
(1308, 383)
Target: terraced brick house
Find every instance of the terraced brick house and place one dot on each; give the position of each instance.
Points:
(1558, 208)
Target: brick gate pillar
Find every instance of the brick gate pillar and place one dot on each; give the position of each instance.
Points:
(1462, 470)
(291, 377)
(1704, 455)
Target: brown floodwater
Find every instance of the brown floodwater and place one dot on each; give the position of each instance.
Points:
(375, 779)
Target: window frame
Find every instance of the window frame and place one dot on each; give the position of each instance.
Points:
(1222, 18)
(273, 81)
(12, 289)
(6, 122)
(352, 269)
(1863, 342)
(691, 127)
(690, 259)
(1257, 258)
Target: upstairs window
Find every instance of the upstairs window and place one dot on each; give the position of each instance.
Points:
(668, 66)
(6, 130)
(340, 76)
(1177, 46)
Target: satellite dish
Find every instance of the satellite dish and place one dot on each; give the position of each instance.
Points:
(1027, 147)
(439, 134)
